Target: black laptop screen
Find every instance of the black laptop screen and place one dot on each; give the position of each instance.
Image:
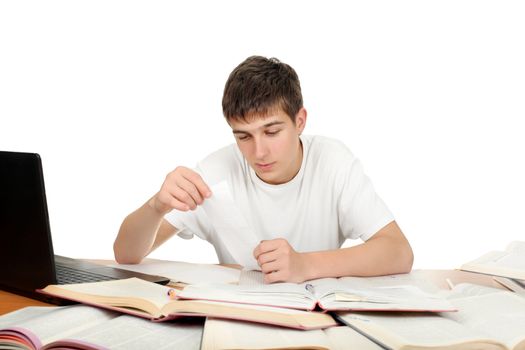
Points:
(26, 257)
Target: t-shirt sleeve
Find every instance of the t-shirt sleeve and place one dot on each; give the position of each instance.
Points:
(362, 212)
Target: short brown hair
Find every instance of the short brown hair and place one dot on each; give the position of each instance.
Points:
(259, 85)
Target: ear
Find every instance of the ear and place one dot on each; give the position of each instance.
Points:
(300, 120)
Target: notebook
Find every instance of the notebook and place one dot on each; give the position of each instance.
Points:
(27, 260)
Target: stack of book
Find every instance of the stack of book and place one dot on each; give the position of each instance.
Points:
(388, 312)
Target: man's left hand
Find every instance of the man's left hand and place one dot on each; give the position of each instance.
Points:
(279, 262)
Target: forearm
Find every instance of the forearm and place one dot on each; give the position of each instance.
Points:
(381, 256)
(137, 234)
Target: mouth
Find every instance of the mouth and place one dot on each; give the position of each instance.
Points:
(264, 166)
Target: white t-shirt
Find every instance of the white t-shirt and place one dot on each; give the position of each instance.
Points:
(330, 199)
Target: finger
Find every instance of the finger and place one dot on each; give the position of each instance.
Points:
(257, 251)
(175, 204)
(270, 267)
(274, 244)
(199, 183)
(182, 196)
(267, 257)
(264, 247)
(277, 276)
(167, 200)
(191, 189)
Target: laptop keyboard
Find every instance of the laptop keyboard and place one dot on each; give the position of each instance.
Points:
(68, 275)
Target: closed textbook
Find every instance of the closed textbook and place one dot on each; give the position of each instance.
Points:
(150, 300)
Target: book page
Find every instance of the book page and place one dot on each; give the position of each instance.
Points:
(348, 293)
(126, 288)
(416, 278)
(509, 263)
(227, 219)
(133, 333)
(59, 322)
(517, 247)
(357, 293)
(25, 314)
(185, 272)
(251, 278)
(340, 338)
(465, 290)
(278, 294)
(234, 335)
(499, 315)
(485, 316)
(19, 317)
(417, 331)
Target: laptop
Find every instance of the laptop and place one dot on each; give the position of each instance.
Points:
(27, 261)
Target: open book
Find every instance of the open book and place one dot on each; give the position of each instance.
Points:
(81, 327)
(150, 300)
(327, 294)
(487, 318)
(508, 263)
(227, 334)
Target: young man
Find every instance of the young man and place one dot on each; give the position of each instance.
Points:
(303, 195)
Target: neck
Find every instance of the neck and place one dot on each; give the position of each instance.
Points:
(296, 164)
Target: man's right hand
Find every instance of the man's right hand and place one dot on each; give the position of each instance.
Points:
(183, 189)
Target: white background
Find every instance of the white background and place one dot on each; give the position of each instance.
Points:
(429, 95)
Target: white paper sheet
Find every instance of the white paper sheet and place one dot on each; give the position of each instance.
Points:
(238, 237)
(251, 278)
(185, 272)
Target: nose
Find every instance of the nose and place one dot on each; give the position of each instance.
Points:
(260, 148)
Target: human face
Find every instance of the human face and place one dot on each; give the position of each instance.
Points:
(271, 144)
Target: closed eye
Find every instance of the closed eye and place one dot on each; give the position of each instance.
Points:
(243, 137)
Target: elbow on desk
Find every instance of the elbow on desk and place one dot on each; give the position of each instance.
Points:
(403, 256)
(400, 260)
(127, 261)
(406, 259)
(122, 257)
